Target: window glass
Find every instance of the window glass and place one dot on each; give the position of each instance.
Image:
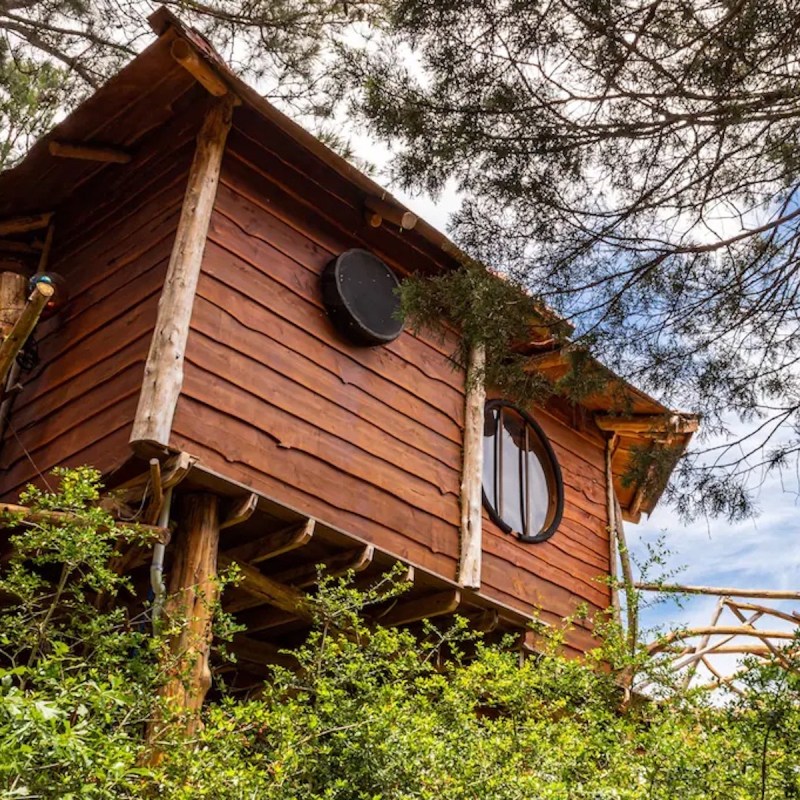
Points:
(521, 478)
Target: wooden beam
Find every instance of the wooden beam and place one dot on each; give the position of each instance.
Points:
(253, 651)
(188, 58)
(273, 544)
(380, 209)
(434, 605)
(771, 594)
(21, 248)
(240, 511)
(647, 424)
(173, 471)
(156, 489)
(471, 491)
(30, 222)
(613, 546)
(265, 618)
(789, 616)
(192, 595)
(13, 294)
(163, 374)
(23, 327)
(721, 630)
(303, 575)
(269, 591)
(87, 152)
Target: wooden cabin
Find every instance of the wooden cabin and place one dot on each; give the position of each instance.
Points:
(191, 222)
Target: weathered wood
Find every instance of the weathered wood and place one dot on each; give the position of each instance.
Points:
(469, 568)
(188, 58)
(156, 489)
(192, 595)
(727, 591)
(435, 605)
(13, 293)
(303, 575)
(173, 471)
(160, 534)
(273, 544)
(23, 327)
(722, 630)
(631, 599)
(87, 152)
(613, 546)
(240, 511)
(393, 213)
(269, 591)
(31, 222)
(789, 616)
(164, 368)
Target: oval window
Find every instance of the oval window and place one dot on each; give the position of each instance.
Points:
(522, 488)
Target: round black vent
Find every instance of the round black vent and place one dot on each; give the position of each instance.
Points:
(360, 294)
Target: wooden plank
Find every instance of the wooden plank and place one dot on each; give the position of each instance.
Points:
(471, 490)
(164, 368)
(435, 605)
(273, 544)
(87, 152)
(25, 224)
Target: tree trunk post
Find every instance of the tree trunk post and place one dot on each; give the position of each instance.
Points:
(193, 593)
(469, 569)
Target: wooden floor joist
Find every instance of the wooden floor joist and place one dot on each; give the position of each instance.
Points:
(435, 605)
(302, 575)
(240, 511)
(273, 544)
(30, 222)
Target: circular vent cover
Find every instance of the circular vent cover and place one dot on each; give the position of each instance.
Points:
(360, 294)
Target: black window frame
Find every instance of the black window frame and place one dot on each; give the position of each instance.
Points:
(555, 468)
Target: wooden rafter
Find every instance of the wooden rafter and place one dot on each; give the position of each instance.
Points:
(25, 224)
(273, 544)
(88, 152)
(429, 607)
(240, 511)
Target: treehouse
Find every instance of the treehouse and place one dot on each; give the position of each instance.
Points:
(229, 359)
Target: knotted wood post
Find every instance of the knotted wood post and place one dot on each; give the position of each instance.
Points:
(163, 374)
(193, 592)
(13, 293)
(469, 570)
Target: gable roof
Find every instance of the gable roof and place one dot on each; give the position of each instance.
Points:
(144, 94)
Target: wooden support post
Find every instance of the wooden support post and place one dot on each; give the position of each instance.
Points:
(611, 512)
(163, 376)
(23, 327)
(192, 596)
(13, 293)
(469, 569)
(631, 596)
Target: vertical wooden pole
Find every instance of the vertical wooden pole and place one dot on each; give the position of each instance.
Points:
(163, 374)
(469, 570)
(13, 294)
(611, 510)
(189, 607)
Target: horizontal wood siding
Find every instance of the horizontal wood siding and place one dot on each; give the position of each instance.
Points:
(367, 439)
(112, 244)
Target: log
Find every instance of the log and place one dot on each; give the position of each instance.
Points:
(789, 616)
(86, 152)
(722, 630)
(269, 591)
(173, 471)
(771, 594)
(273, 544)
(379, 209)
(192, 596)
(163, 375)
(611, 510)
(23, 327)
(469, 568)
(188, 58)
(31, 222)
(13, 293)
(159, 534)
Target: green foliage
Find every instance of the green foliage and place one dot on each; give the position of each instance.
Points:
(370, 713)
(502, 316)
